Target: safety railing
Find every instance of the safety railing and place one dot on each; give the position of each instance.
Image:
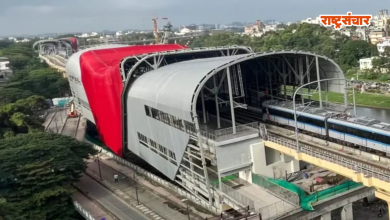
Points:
(276, 189)
(359, 165)
(82, 211)
(241, 131)
(237, 196)
(276, 209)
(226, 133)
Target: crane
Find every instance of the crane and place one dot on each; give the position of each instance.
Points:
(155, 28)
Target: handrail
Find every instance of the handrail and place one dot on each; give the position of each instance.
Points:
(237, 196)
(350, 162)
(226, 133)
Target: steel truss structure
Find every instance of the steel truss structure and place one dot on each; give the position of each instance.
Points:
(240, 82)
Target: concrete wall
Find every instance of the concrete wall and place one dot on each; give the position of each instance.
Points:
(234, 155)
(277, 164)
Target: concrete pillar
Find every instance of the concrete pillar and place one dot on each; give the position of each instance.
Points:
(346, 212)
(326, 216)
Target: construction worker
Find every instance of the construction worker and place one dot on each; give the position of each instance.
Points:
(116, 178)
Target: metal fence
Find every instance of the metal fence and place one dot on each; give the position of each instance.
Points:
(226, 133)
(82, 211)
(241, 131)
(238, 197)
(279, 191)
(277, 209)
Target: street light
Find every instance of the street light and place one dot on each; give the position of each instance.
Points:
(188, 209)
(136, 188)
(294, 105)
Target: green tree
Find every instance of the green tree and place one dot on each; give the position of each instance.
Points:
(352, 51)
(38, 171)
(22, 116)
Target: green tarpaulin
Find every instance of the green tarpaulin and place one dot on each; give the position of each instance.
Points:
(305, 201)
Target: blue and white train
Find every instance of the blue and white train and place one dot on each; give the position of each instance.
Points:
(334, 126)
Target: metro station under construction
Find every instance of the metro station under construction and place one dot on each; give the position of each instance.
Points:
(197, 116)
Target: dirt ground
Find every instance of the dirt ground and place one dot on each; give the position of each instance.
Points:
(362, 212)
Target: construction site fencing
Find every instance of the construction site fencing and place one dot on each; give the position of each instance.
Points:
(237, 196)
(160, 181)
(275, 188)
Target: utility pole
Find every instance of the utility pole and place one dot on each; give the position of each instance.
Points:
(136, 189)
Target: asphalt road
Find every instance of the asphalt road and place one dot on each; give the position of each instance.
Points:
(111, 202)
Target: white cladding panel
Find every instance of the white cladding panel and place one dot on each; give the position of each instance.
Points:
(169, 89)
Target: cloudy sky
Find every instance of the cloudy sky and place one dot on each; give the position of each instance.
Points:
(48, 16)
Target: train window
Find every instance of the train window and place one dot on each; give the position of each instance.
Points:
(311, 121)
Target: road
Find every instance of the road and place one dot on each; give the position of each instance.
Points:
(111, 202)
(160, 206)
(70, 127)
(54, 121)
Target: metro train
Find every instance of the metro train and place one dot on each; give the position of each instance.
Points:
(330, 125)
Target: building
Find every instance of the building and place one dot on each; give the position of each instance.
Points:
(379, 21)
(382, 44)
(316, 20)
(376, 35)
(366, 63)
(5, 71)
(182, 111)
(255, 29)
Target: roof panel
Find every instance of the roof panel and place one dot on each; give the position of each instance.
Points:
(170, 88)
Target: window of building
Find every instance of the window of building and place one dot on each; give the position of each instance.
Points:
(172, 155)
(147, 110)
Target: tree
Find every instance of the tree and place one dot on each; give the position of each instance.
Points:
(9, 95)
(352, 51)
(307, 37)
(22, 116)
(38, 171)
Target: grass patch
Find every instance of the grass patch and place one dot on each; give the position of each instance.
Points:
(362, 99)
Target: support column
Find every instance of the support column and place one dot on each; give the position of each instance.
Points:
(270, 80)
(319, 83)
(301, 77)
(346, 212)
(231, 100)
(345, 94)
(327, 92)
(326, 216)
(216, 90)
(308, 67)
(203, 107)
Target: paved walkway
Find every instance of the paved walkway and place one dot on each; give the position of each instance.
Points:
(161, 206)
(106, 198)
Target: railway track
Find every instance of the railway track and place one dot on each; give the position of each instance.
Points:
(70, 127)
(51, 120)
(368, 167)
